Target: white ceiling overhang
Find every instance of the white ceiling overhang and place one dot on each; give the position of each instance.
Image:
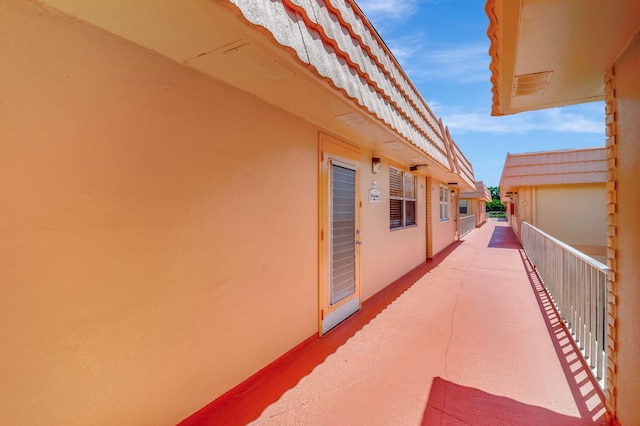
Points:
(548, 53)
(322, 61)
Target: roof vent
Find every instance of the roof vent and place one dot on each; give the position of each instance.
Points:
(352, 119)
(393, 145)
(531, 84)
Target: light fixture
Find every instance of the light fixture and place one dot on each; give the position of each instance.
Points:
(418, 167)
(375, 164)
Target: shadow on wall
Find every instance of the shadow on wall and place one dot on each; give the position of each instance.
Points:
(453, 404)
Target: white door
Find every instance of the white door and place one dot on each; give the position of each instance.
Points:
(340, 237)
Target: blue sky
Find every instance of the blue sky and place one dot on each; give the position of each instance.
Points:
(442, 46)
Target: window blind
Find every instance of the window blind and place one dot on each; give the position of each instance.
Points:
(402, 199)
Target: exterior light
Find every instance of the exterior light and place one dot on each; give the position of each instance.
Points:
(375, 164)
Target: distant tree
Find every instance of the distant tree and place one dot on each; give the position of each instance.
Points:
(495, 192)
(495, 205)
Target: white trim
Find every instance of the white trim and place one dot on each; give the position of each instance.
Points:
(340, 314)
(445, 205)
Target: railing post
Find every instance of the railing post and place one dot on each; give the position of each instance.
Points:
(577, 285)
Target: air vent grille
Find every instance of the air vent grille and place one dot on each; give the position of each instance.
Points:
(531, 84)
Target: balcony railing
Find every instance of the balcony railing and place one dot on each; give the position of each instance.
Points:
(467, 224)
(578, 286)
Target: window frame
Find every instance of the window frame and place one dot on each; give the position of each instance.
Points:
(445, 203)
(464, 204)
(405, 200)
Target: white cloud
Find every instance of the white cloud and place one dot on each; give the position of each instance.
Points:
(462, 63)
(377, 10)
(577, 119)
(423, 58)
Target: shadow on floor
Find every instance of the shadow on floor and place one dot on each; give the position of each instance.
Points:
(248, 400)
(453, 404)
(586, 391)
(504, 237)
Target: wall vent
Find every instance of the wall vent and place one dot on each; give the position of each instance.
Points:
(531, 84)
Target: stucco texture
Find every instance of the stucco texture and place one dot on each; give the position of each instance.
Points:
(627, 69)
(574, 214)
(141, 210)
(388, 254)
(443, 233)
(159, 228)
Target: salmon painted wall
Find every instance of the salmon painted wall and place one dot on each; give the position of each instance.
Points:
(627, 69)
(152, 252)
(443, 232)
(523, 203)
(574, 214)
(481, 212)
(387, 254)
(478, 208)
(156, 250)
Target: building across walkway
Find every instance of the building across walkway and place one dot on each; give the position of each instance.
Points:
(563, 193)
(470, 337)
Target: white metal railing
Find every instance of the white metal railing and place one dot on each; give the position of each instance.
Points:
(577, 285)
(467, 224)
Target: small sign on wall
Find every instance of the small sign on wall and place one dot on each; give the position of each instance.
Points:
(374, 194)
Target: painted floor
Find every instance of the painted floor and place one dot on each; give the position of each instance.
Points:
(469, 338)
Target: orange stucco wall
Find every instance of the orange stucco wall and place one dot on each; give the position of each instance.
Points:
(443, 232)
(387, 254)
(627, 94)
(481, 212)
(522, 205)
(574, 214)
(152, 256)
(159, 244)
(478, 208)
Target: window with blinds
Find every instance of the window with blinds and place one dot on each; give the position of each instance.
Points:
(402, 199)
(463, 207)
(444, 203)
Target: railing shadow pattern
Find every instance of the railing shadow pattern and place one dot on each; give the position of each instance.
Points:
(585, 388)
(577, 286)
(453, 404)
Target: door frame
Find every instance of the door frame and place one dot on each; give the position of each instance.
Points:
(331, 148)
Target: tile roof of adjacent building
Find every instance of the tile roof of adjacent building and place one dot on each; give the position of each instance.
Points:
(481, 192)
(571, 166)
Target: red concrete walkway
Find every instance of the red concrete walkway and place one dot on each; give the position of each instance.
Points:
(469, 338)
